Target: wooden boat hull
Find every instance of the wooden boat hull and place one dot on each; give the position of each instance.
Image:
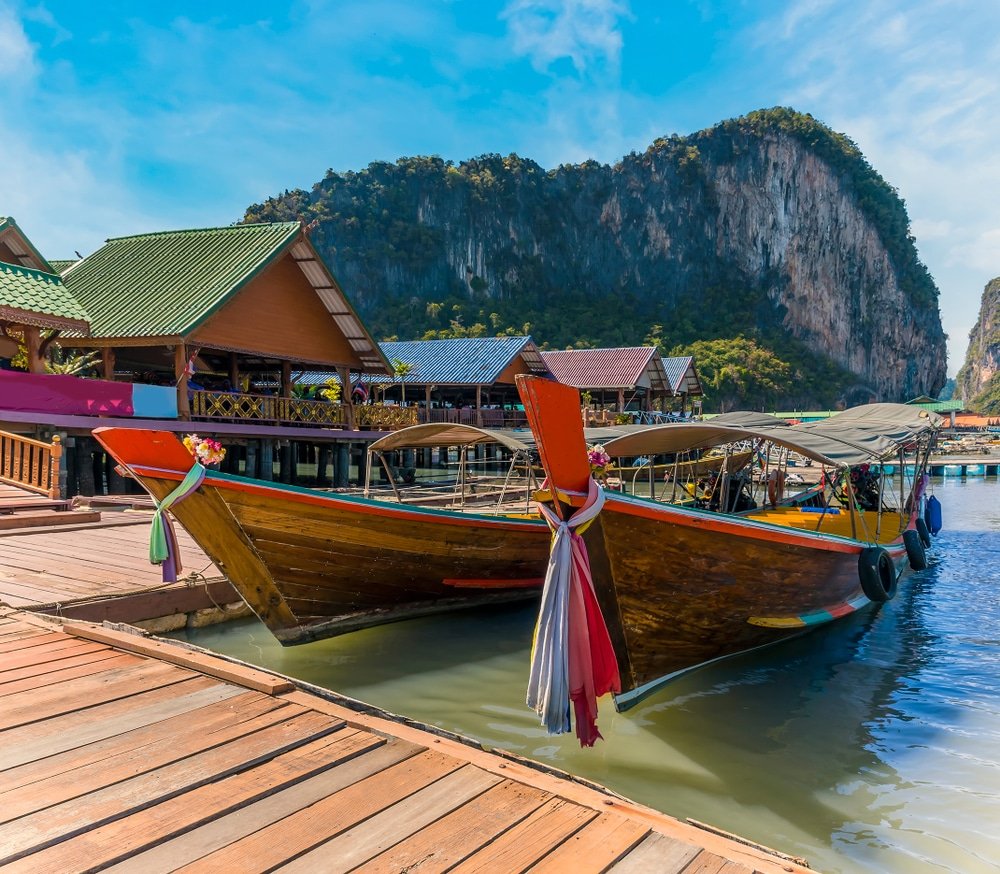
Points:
(680, 588)
(314, 565)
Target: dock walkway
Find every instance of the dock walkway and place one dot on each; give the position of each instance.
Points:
(123, 753)
(101, 572)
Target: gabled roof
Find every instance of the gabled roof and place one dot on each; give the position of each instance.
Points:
(170, 283)
(682, 376)
(463, 360)
(33, 297)
(624, 367)
(166, 284)
(24, 252)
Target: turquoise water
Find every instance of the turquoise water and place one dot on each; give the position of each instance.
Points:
(869, 745)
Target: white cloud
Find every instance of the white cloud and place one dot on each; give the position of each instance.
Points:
(17, 54)
(584, 31)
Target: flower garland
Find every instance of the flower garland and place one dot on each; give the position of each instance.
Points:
(205, 449)
(600, 462)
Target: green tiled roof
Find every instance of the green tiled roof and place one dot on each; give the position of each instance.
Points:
(167, 284)
(23, 290)
(60, 264)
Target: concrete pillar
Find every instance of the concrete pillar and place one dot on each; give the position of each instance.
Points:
(251, 460)
(322, 463)
(265, 462)
(342, 465)
(285, 461)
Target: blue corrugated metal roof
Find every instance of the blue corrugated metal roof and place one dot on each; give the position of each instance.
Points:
(461, 361)
(682, 376)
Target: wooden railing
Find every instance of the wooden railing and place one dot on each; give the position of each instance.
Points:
(235, 407)
(377, 418)
(31, 464)
(482, 418)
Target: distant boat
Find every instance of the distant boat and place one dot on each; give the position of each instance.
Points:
(680, 586)
(314, 564)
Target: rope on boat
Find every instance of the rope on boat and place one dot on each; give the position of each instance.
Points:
(163, 547)
(572, 659)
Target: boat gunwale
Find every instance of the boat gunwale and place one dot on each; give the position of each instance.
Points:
(303, 495)
(741, 526)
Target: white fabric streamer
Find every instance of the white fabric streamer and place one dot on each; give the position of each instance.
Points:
(548, 680)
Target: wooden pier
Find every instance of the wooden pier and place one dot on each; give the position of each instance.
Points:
(142, 755)
(101, 571)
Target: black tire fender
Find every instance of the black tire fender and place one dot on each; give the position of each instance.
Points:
(877, 574)
(924, 532)
(915, 551)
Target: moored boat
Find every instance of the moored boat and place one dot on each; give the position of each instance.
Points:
(680, 586)
(313, 564)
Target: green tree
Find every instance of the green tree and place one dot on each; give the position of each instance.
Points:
(401, 369)
(739, 373)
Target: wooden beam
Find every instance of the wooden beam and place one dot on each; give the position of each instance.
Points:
(286, 379)
(479, 406)
(107, 362)
(33, 343)
(180, 374)
(346, 397)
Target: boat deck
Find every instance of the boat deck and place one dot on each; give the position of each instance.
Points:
(118, 750)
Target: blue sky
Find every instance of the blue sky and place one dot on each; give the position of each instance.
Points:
(119, 118)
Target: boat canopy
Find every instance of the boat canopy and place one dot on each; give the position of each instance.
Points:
(448, 434)
(862, 434)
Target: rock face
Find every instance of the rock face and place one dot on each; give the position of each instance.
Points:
(982, 361)
(767, 225)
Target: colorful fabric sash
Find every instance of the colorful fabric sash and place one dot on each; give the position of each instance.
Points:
(572, 659)
(163, 548)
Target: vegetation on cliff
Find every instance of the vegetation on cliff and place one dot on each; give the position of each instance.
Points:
(978, 382)
(597, 255)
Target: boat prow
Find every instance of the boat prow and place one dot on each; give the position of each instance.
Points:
(681, 586)
(313, 564)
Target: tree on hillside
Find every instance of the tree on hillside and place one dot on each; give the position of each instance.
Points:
(738, 373)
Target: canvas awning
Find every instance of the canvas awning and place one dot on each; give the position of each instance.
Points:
(863, 434)
(446, 434)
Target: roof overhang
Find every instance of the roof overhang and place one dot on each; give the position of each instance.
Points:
(27, 318)
(336, 303)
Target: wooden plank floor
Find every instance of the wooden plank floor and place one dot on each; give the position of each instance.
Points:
(127, 754)
(56, 566)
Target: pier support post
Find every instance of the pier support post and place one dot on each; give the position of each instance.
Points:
(322, 463)
(250, 459)
(265, 464)
(342, 465)
(362, 463)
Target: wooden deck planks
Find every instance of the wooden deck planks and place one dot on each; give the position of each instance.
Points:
(186, 827)
(62, 566)
(115, 760)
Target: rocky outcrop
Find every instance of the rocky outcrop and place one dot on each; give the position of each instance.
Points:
(770, 225)
(982, 361)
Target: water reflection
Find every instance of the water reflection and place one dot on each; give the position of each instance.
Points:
(872, 744)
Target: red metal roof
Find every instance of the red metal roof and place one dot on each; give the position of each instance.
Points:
(624, 367)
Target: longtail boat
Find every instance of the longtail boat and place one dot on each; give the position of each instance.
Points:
(680, 585)
(313, 564)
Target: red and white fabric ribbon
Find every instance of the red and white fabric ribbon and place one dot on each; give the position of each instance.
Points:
(572, 659)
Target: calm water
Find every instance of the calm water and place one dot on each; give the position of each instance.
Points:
(872, 745)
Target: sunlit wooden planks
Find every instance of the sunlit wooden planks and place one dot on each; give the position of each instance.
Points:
(202, 774)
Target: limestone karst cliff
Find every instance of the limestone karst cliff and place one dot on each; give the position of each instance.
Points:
(978, 382)
(769, 226)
